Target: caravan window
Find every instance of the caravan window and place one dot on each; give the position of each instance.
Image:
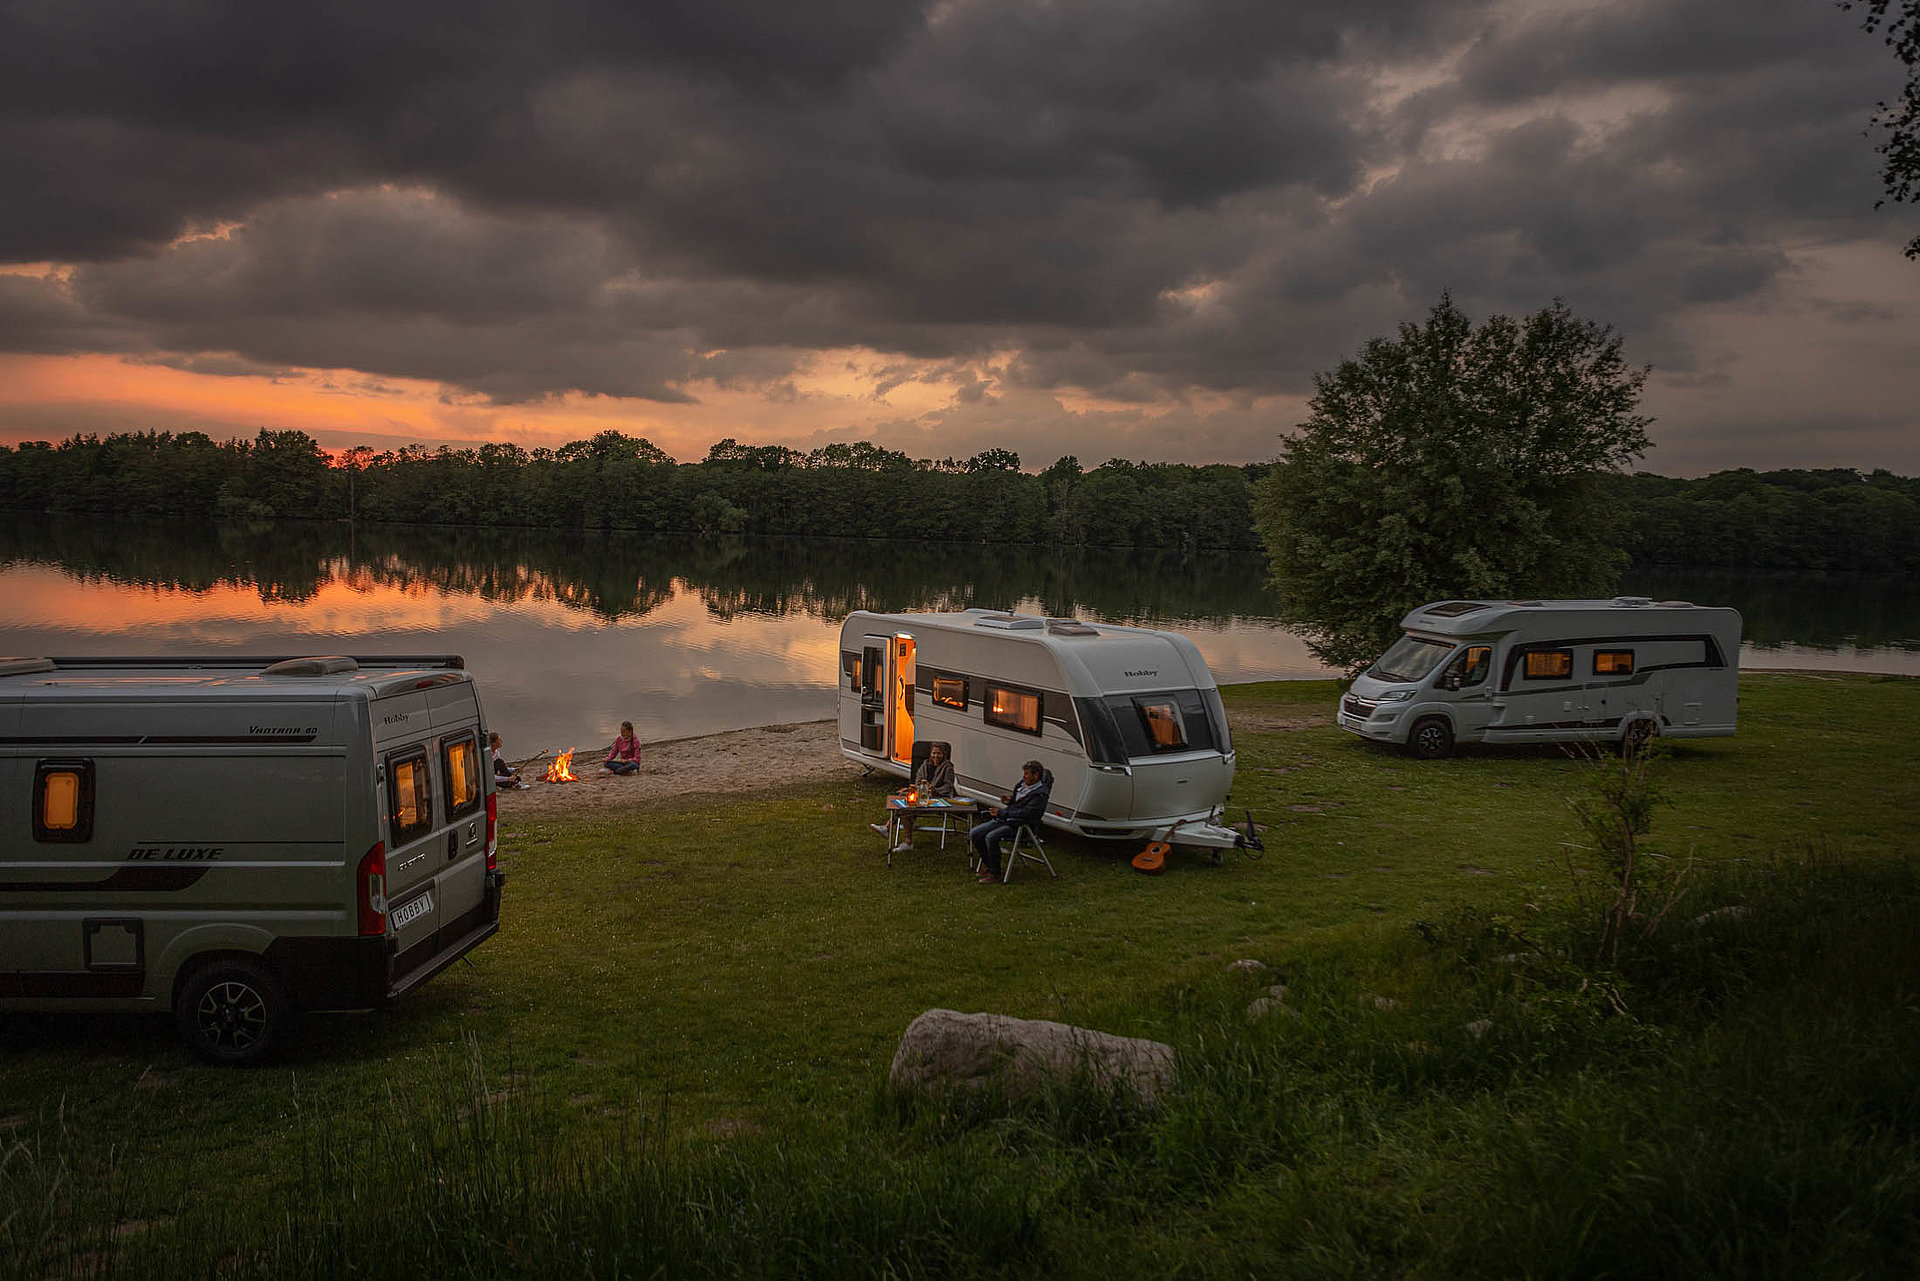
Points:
(63, 802)
(1548, 664)
(1013, 709)
(1469, 669)
(850, 667)
(1613, 662)
(950, 691)
(1166, 731)
(409, 795)
(1177, 721)
(460, 762)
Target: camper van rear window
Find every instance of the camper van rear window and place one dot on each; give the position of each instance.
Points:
(850, 667)
(460, 758)
(950, 691)
(409, 796)
(1166, 731)
(1013, 709)
(1549, 664)
(1613, 662)
(63, 801)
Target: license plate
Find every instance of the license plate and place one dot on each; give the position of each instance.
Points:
(412, 910)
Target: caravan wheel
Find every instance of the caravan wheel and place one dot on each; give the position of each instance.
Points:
(1432, 738)
(231, 1012)
(1639, 734)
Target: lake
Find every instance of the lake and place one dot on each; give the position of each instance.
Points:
(570, 634)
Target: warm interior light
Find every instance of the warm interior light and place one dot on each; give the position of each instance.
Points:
(903, 682)
(60, 801)
(463, 773)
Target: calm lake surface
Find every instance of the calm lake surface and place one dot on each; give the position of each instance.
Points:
(570, 634)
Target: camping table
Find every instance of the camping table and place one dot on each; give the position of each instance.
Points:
(898, 808)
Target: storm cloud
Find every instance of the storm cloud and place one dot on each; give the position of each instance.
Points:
(1144, 202)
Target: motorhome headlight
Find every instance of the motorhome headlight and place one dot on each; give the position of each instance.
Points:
(1396, 696)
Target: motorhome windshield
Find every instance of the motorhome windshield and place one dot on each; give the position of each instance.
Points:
(1410, 659)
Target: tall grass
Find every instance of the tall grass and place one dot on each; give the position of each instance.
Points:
(1734, 1096)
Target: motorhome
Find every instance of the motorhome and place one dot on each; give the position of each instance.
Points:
(236, 840)
(1128, 719)
(1539, 671)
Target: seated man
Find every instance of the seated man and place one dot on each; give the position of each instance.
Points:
(1027, 803)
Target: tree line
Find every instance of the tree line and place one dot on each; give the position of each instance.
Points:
(619, 483)
(1834, 519)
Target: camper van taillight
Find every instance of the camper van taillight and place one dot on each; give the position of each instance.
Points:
(493, 831)
(373, 891)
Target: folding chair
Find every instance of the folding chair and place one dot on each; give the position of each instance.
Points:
(1011, 853)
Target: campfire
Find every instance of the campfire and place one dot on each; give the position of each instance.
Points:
(561, 771)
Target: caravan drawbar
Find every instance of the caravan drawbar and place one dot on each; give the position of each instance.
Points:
(237, 839)
(1128, 719)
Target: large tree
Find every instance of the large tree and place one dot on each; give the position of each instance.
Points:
(1451, 461)
(1899, 25)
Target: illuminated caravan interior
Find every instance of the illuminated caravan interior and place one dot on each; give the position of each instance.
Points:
(1127, 719)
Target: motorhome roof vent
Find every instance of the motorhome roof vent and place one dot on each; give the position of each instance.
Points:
(1009, 622)
(1632, 602)
(1676, 604)
(1526, 604)
(24, 666)
(1069, 627)
(1454, 608)
(327, 665)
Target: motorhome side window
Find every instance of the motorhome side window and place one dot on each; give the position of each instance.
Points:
(850, 666)
(1013, 709)
(409, 795)
(460, 762)
(1613, 662)
(950, 691)
(1470, 668)
(1548, 664)
(63, 802)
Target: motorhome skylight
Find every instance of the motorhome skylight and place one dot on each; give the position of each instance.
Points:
(1069, 627)
(1454, 608)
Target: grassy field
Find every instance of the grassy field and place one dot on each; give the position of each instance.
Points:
(671, 1058)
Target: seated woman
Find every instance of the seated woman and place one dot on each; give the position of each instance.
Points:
(935, 775)
(625, 756)
(505, 776)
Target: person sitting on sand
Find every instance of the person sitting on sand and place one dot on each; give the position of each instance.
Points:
(1024, 806)
(625, 756)
(935, 778)
(505, 776)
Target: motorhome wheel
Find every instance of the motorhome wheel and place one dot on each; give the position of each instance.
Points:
(1431, 739)
(231, 1012)
(1639, 734)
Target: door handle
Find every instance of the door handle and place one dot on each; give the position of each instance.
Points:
(453, 844)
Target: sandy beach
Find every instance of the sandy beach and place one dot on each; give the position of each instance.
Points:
(735, 761)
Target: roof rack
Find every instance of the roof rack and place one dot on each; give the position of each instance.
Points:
(452, 661)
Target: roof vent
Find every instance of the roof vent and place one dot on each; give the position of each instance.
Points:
(24, 666)
(328, 665)
(1632, 602)
(1676, 604)
(1069, 627)
(1009, 622)
(1526, 604)
(1454, 608)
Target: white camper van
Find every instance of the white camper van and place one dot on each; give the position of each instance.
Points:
(1129, 720)
(1620, 670)
(238, 839)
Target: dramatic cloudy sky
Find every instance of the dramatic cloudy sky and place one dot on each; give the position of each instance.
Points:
(1100, 227)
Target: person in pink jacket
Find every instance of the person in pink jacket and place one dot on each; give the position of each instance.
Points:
(625, 756)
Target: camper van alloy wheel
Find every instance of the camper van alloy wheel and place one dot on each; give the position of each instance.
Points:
(1431, 739)
(231, 1012)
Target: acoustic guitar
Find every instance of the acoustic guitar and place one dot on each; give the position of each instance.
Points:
(1153, 859)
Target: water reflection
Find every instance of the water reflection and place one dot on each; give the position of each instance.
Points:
(570, 634)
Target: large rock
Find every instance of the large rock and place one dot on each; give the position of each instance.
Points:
(1020, 1056)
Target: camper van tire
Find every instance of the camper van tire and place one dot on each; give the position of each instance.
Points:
(1431, 739)
(231, 1012)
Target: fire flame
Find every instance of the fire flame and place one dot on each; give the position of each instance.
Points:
(561, 770)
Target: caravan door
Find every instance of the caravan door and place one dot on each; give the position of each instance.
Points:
(901, 677)
(873, 694)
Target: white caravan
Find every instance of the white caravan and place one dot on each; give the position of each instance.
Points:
(239, 839)
(1128, 719)
(1484, 671)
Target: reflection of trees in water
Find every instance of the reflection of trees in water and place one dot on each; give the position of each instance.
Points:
(627, 576)
(1816, 609)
